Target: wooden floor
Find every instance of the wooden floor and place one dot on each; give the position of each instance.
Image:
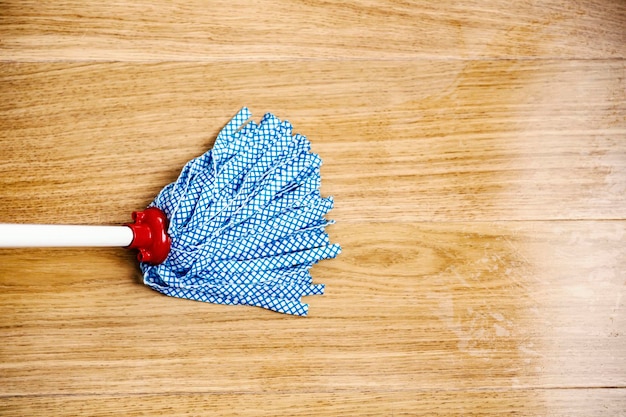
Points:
(476, 151)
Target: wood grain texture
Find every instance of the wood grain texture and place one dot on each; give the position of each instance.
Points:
(242, 30)
(477, 155)
(402, 141)
(410, 307)
(433, 403)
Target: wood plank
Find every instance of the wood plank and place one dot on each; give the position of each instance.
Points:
(409, 307)
(313, 29)
(477, 154)
(401, 141)
(583, 403)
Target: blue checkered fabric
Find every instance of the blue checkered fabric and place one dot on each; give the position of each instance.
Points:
(246, 220)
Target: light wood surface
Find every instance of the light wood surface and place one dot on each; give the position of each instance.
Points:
(242, 30)
(477, 155)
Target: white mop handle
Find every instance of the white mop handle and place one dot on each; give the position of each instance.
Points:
(47, 235)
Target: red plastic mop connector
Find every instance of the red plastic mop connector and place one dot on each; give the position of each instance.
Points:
(150, 235)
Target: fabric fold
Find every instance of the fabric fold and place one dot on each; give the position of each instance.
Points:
(247, 220)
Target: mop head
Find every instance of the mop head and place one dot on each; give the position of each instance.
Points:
(246, 220)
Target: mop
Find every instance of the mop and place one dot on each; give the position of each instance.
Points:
(242, 224)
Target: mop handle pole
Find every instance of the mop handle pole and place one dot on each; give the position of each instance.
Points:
(47, 235)
(148, 234)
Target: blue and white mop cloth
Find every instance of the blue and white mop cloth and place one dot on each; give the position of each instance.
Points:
(246, 220)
